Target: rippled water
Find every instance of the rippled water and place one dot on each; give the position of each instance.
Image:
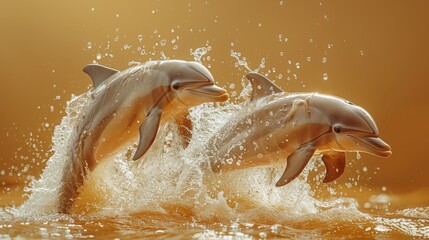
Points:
(169, 193)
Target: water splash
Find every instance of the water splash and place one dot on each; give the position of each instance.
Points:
(200, 52)
(168, 177)
(241, 62)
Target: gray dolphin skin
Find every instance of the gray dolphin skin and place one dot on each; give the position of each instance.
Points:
(136, 100)
(275, 126)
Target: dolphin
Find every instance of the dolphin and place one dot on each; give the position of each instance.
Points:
(274, 126)
(135, 101)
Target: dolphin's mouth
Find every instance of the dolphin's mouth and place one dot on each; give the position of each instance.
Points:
(375, 146)
(211, 91)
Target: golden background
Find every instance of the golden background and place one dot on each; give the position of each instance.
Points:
(375, 53)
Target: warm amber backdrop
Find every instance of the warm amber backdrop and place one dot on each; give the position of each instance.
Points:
(379, 60)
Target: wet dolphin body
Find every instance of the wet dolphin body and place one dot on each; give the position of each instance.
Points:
(275, 125)
(135, 100)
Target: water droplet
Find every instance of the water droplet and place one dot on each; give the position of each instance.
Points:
(325, 76)
(163, 42)
(140, 37)
(232, 86)
(260, 155)
(361, 52)
(297, 65)
(163, 56)
(98, 56)
(358, 156)
(365, 169)
(259, 24)
(175, 47)
(324, 59)
(281, 54)
(89, 45)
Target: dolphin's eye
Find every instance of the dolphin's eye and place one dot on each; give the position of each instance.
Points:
(337, 129)
(175, 86)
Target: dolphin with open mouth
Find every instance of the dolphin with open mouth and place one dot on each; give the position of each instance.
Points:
(275, 126)
(126, 103)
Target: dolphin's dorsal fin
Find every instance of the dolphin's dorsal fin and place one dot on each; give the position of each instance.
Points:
(335, 162)
(261, 85)
(99, 73)
(296, 162)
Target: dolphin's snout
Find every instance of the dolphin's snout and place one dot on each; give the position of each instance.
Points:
(376, 146)
(213, 92)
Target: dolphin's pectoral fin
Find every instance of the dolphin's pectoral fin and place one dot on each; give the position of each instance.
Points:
(185, 126)
(261, 86)
(99, 73)
(335, 163)
(148, 131)
(296, 162)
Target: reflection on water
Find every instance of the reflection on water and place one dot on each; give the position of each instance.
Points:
(339, 222)
(170, 193)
